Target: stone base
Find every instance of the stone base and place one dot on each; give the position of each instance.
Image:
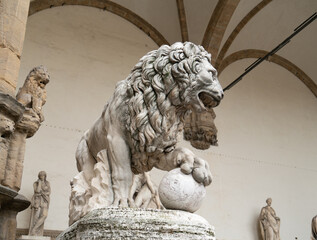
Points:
(131, 223)
(27, 237)
(10, 204)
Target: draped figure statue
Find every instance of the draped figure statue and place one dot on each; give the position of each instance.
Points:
(269, 222)
(39, 205)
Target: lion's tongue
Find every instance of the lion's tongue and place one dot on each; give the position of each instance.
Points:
(207, 100)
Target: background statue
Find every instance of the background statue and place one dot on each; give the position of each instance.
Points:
(139, 125)
(314, 228)
(39, 204)
(269, 223)
(33, 93)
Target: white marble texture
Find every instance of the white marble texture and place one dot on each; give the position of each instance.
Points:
(27, 237)
(180, 191)
(139, 224)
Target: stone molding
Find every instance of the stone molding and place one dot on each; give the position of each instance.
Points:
(10, 204)
(11, 107)
(138, 224)
(47, 233)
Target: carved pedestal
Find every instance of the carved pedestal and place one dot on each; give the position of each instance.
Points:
(27, 237)
(11, 203)
(16, 124)
(131, 223)
(10, 112)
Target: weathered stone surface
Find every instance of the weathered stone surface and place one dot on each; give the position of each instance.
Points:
(13, 16)
(10, 107)
(20, 118)
(32, 96)
(200, 129)
(33, 93)
(9, 70)
(11, 203)
(130, 224)
(180, 191)
(6, 194)
(29, 123)
(5, 87)
(10, 112)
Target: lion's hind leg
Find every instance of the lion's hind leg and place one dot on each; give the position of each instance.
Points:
(84, 160)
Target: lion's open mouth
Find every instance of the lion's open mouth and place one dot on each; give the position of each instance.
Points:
(208, 100)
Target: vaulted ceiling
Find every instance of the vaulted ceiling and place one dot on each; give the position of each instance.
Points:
(230, 30)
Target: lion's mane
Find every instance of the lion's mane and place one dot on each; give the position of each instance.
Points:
(157, 89)
(32, 87)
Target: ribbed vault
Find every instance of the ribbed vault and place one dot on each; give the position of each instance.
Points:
(255, 53)
(147, 28)
(213, 35)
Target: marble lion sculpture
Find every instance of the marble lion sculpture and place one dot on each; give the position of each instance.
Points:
(138, 127)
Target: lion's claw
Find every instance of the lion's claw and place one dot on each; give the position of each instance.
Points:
(198, 167)
(202, 176)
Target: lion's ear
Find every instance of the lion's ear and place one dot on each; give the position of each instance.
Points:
(190, 49)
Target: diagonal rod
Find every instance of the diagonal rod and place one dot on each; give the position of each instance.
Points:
(277, 48)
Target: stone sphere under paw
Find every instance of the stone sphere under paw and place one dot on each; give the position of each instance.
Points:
(180, 191)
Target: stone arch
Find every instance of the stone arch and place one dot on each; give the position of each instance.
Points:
(237, 30)
(283, 62)
(217, 26)
(147, 28)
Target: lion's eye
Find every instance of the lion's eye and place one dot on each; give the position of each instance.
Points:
(213, 72)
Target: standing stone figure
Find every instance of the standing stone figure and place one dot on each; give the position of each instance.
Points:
(314, 228)
(39, 204)
(269, 222)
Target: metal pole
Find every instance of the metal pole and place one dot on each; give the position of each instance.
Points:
(277, 48)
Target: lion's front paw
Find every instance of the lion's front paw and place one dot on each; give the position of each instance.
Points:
(132, 203)
(201, 172)
(198, 167)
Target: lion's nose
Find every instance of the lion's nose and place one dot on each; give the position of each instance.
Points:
(219, 95)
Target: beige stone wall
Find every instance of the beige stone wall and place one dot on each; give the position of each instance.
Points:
(13, 17)
(267, 132)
